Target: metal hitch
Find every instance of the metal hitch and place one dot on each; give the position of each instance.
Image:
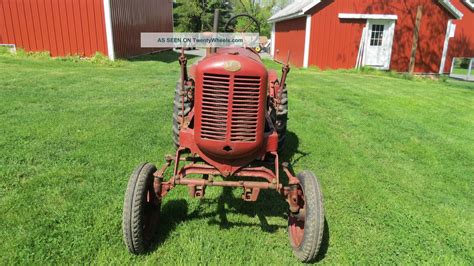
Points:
(250, 194)
(196, 191)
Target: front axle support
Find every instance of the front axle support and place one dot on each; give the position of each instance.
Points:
(251, 189)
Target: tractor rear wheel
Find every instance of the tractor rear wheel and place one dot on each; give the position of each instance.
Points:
(177, 111)
(306, 228)
(141, 210)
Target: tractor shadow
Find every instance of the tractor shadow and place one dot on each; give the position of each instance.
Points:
(290, 152)
(172, 214)
(269, 204)
(168, 57)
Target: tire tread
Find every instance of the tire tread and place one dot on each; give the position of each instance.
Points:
(133, 210)
(314, 223)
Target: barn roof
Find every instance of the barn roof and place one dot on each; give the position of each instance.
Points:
(300, 8)
(294, 10)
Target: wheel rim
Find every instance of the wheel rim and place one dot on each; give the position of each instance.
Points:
(296, 224)
(151, 213)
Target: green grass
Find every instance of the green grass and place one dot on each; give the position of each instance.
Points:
(395, 158)
(460, 71)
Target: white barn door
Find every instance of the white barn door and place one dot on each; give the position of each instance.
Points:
(378, 44)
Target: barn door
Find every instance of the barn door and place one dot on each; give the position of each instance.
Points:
(378, 45)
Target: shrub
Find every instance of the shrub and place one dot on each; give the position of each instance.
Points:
(465, 63)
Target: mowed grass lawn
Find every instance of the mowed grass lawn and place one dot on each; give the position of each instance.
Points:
(395, 158)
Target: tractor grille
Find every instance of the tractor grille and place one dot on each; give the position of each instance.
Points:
(215, 107)
(215, 103)
(245, 108)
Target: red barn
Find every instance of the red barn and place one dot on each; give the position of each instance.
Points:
(385, 34)
(83, 27)
(461, 41)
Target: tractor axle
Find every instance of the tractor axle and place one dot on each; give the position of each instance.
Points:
(197, 186)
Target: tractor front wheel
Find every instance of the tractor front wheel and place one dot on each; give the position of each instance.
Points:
(141, 210)
(305, 228)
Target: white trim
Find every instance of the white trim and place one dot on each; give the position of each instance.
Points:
(445, 47)
(451, 8)
(469, 3)
(108, 30)
(293, 16)
(12, 47)
(367, 16)
(367, 24)
(360, 53)
(172, 16)
(308, 7)
(294, 10)
(272, 38)
(307, 41)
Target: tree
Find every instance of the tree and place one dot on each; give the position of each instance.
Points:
(198, 15)
(261, 10)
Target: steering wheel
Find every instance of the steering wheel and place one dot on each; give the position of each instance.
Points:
(241, 23)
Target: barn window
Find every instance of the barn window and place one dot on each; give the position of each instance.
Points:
(376, 35)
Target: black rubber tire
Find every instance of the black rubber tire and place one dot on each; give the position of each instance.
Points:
(140, 216)
(282, 119)
(177, 111)
(314, 218)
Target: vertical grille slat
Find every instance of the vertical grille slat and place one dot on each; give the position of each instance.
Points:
(215, 102)
(245, 105)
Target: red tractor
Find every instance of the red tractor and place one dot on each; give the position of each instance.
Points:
(229, 121)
